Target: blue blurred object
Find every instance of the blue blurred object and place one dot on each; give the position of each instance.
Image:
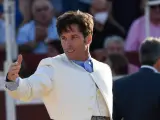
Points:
(1, 8)
(19, 16)
(68, 5)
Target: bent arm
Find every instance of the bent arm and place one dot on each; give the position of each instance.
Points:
(37, 85)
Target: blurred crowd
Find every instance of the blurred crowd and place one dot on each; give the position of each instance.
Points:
(119, 28)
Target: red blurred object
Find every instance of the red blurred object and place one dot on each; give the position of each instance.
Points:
(2, 106)
(32, 60)
(32, 112)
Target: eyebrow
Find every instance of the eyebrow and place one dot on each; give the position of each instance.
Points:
(75, 35)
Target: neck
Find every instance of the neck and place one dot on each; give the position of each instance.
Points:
(83, 57)
(86, 56)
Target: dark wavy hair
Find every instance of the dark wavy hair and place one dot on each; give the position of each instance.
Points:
(83, 20)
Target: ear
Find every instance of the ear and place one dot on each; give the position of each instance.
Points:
(157, 65)
(88, 40)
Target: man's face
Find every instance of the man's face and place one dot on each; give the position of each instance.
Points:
(115, 48)
(42, 11)
(73, 42)
(155, 12)
(99, 10)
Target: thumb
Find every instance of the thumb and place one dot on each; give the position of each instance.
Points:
(19, 60)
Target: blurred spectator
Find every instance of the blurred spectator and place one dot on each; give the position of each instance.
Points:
(54, 48)
(118, 64)
(99, 55)
(31, 36)
(57, 4)
(18, 15)
(105, 25)
(27, 13)
(125, 11)
(115, 45)
(137, 31)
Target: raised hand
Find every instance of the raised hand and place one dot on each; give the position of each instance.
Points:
(14, 69)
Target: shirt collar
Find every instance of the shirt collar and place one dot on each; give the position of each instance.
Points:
(149, 67)
(78, 61)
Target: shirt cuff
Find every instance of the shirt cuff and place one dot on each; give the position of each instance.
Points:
(12, 85)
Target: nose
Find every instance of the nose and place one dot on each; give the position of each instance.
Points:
(68, 44)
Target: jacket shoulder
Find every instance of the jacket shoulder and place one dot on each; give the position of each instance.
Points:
(125, 79)
(101, 65)
(50, 60)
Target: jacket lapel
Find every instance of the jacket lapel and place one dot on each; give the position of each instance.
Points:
(103, 85)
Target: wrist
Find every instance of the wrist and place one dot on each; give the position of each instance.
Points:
(7, 80)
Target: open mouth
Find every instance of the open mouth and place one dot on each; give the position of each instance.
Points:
(70, 51)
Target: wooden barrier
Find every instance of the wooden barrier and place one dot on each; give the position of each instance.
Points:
(2, 106)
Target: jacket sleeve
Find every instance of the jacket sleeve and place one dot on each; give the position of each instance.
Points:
(37, 85)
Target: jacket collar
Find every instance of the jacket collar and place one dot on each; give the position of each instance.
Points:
(148, 68)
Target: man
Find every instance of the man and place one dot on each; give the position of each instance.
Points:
(137, 32)
(105, 25)
(137, 96)
(32, 35)
(73, 85)
(115, 45)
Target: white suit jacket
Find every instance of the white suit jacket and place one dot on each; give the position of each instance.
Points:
(54, 82)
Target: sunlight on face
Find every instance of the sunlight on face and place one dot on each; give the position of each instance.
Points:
(73, 42)
(42, 11)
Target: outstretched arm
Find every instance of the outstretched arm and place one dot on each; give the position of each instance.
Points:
(35, 86)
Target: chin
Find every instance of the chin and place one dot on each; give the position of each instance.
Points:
(70, 57)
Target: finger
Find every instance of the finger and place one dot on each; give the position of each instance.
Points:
(19, 60)
(13, 77)
(16, 67)
(14, 72)
(14, 64)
